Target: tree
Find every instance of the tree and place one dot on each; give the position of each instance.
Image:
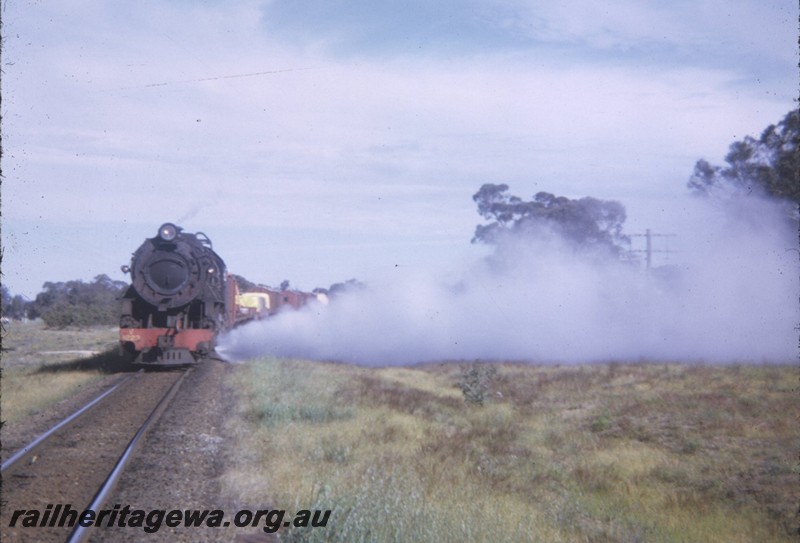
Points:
(243, 284)
(14, 307)
(18, 308)
(583, 223)
(351, 285)
(5, 300)
(76, 303)
(768, 166)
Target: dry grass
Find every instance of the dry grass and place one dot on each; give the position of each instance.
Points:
(41, 367)
(613, 452)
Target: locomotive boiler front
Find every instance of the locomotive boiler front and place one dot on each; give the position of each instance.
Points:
(170, 270)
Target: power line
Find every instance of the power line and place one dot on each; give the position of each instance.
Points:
(214, 78)
(649, 250)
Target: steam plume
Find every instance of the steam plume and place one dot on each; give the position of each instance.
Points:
(734, 297)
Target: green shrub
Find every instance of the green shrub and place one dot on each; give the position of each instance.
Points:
(476, 381)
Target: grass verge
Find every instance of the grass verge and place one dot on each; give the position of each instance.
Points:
(612, 452)
(41, 367)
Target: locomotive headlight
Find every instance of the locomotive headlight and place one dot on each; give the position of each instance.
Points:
(168, 231)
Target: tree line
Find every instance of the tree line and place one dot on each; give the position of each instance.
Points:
(768, 166)
(68, 304)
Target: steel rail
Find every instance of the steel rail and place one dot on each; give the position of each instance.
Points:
(79, 532)
(32, 445)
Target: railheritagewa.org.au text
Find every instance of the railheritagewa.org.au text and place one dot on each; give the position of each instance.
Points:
(65, 516)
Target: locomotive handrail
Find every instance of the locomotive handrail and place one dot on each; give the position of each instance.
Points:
(204, 239)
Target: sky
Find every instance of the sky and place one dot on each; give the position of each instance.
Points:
(320, 141)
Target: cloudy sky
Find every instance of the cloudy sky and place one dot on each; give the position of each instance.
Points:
(322, 140)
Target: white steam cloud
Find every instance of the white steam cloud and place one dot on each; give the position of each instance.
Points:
(733, 297)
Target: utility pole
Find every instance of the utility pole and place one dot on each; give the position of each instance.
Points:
(649, 246)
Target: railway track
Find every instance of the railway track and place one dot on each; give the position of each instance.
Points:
(79, 460)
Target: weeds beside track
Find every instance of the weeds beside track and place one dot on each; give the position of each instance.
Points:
(607, 452)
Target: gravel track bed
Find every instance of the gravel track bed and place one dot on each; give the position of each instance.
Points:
(17, 434)
(69, 467)
(179, 464)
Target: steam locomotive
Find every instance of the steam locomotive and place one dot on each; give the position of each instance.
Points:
(179, 299)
